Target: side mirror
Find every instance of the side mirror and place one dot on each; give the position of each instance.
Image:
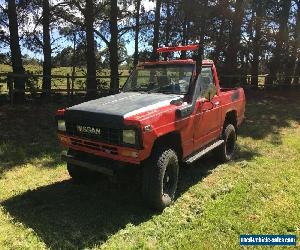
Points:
(185, 111)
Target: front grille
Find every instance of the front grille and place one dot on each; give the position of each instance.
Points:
(94, 146)
(107, 135)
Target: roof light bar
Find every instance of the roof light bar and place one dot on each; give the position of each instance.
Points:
(178, 48)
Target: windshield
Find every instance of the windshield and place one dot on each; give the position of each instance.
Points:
(167, 79)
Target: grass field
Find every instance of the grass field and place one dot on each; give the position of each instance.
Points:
(257, 193)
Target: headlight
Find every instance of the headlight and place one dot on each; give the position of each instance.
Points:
(129, 137)
(61, 125)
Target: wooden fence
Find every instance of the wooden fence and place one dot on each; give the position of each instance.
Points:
(67, 84)
(69, 87)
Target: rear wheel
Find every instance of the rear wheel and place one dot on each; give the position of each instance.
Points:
(160, 178)
(227, 150)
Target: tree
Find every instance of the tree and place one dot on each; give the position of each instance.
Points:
(221, 11)
(82, 15)
(231, 63)
(4, 37)
(168, 23)
(4, 58)
(137, 32)
(281, 50)
(202, 31)
(47, 65)
(155, 42)
(240, 36)
(259, 8)
(113, 47)
(16, 57)
(296, 47)
(185, 13)
(89, 16)
(34, 14)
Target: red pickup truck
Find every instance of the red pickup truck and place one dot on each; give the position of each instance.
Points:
(165, 115)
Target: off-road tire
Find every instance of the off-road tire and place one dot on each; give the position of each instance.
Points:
(226, 151)
(81, 175)
(160, 178)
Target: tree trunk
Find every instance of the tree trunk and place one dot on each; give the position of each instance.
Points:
(16, 57)
(137, 32)
(46, 50)
(167, 27)
(258, 8)
(200, 19)
(297, 72)
(280, 54)
(113, 48)
(90, 50)
(220, 43)
(184, 36)
(296, 47)
(231, 64)
(203, 21)
(155, 55)
(73, 63)
(168, 23)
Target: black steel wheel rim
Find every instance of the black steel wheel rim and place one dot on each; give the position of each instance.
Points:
(169, 181)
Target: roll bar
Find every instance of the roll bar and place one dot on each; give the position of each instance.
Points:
(178, 48)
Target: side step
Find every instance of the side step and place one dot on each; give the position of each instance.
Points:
(203, 152)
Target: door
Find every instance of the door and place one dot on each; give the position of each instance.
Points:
(207, 125)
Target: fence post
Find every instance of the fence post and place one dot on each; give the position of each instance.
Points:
(10, 88)
(68, 85)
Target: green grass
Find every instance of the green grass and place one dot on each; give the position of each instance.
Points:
(257, 193)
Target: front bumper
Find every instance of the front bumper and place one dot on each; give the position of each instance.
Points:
(121, 154)
(70, 159)
(98, 164)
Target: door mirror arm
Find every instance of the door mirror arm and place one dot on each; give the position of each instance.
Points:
(209, 96)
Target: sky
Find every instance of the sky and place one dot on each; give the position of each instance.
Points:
(62, 42)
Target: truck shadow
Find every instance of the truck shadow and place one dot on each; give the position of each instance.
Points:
(68, 215)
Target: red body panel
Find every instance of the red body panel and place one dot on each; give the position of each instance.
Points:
(197, 130)
(203, 126)
(200, 128)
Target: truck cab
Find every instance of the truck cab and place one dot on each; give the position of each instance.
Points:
(164, 115)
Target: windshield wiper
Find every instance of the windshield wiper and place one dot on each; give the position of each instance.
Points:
(154, 90)
(136, 90)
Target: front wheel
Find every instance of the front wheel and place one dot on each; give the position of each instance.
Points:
(226, 151)
(160, 178)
